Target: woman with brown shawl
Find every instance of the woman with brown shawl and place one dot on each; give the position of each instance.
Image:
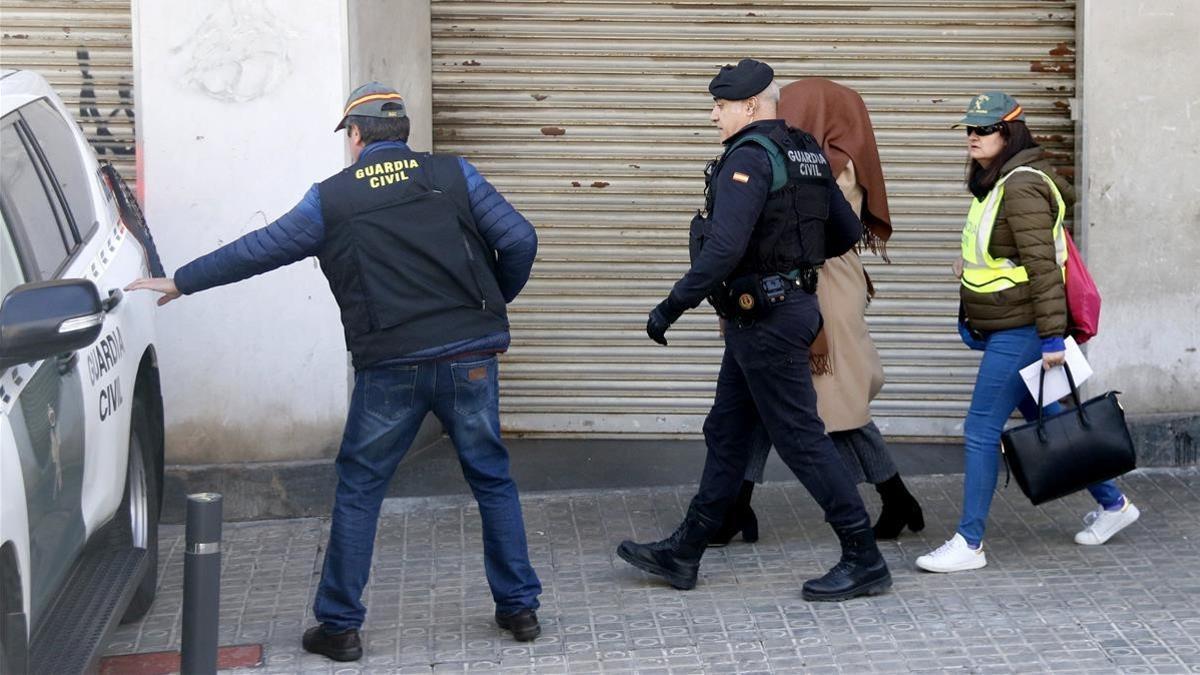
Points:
(847, 372)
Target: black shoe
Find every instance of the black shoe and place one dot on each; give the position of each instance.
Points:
(861, 571)
(344, 646)
(739, 518)
(900, 508)
(523, 624)
(676, 558)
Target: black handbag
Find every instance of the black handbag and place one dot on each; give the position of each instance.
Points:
(1064, 453)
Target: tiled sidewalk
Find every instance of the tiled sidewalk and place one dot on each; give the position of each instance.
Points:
(1042, 604)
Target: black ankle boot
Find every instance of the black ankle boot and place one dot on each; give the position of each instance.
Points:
(861, 571)
(900, 508)
(344, 646)
(739, 518)
(676, 558)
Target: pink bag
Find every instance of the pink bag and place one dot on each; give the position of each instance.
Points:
(1083, 298)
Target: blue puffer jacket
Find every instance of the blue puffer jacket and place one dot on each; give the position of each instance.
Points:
(299, 233)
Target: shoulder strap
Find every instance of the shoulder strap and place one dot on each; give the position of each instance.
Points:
(778, 164)
(1054, 191)
(1029, 169)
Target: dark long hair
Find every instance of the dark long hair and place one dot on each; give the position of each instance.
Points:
(980, 181)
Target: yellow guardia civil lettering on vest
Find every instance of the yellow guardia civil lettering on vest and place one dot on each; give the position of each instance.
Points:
(981, 272)
(381, 174)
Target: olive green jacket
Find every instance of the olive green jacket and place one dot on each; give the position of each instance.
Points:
(1023, 233)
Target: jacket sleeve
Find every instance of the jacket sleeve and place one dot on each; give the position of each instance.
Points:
(740, 192)
(296, 235)
(1028, 208)
(844, 229)
(504, 229)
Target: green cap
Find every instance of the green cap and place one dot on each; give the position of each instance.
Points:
(989, 108)
(373, 100)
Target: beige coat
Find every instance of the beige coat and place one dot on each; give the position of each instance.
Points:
(844, 396)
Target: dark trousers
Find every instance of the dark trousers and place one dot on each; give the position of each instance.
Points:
(765, 380)
(863, 450)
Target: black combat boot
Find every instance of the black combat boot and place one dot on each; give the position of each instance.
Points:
(739, 518)
(676, 558)
(900, 508)
(861, 571)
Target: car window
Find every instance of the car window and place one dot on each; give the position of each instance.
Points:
(11, 275)
(57, 142)
(27, 210)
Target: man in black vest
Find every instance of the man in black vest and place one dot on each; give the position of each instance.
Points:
(422, 255)
(773, 215)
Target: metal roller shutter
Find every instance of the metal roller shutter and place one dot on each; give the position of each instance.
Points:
(85, 50)
(592, 117)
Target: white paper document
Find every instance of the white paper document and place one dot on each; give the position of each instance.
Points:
(1056, 378)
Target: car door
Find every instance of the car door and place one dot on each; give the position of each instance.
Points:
(43, 402)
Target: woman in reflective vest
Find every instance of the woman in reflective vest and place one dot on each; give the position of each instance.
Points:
(1013, 309)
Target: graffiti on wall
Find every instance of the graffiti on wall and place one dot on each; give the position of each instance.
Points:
(104, 141)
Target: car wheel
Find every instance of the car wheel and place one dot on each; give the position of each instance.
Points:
(141, 504)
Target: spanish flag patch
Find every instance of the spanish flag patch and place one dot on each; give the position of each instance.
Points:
(741, 177)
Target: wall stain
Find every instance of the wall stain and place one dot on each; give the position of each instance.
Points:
(1062, 50)
(238, 53)
(1186, 452)
(1051, 67)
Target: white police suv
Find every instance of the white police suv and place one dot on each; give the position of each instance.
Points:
(81, 435)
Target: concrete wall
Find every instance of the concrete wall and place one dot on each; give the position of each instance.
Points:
(237, 101)
(1141, 200)
(390, 41)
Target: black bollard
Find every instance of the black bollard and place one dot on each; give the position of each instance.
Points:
(201, 584)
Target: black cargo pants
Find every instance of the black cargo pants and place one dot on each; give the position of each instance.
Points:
(765, 379)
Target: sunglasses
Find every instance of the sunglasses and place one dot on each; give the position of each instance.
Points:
(985, 131)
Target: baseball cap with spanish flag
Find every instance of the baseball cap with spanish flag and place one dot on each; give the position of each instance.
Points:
(373, 100)
(989, 108)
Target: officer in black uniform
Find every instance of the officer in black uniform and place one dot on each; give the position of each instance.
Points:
(773, 214)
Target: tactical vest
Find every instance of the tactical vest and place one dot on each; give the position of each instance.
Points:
(789, 235)
(405, 262)
(981, 272)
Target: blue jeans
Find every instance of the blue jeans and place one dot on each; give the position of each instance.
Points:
(999, 390)
(386, 410)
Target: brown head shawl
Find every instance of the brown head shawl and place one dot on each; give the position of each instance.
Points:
(837, 117)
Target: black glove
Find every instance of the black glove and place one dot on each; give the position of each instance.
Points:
(662, 316)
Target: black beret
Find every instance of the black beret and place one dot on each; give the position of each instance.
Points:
(746, 79)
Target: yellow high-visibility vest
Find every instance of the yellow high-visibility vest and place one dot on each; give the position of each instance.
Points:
(981, 272)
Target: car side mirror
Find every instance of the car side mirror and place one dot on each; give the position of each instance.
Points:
(45, 318)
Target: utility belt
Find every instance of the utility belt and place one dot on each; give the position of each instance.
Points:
(751, 297)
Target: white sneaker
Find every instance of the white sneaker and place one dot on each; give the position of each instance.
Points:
(1101, 525)
(955, 555)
